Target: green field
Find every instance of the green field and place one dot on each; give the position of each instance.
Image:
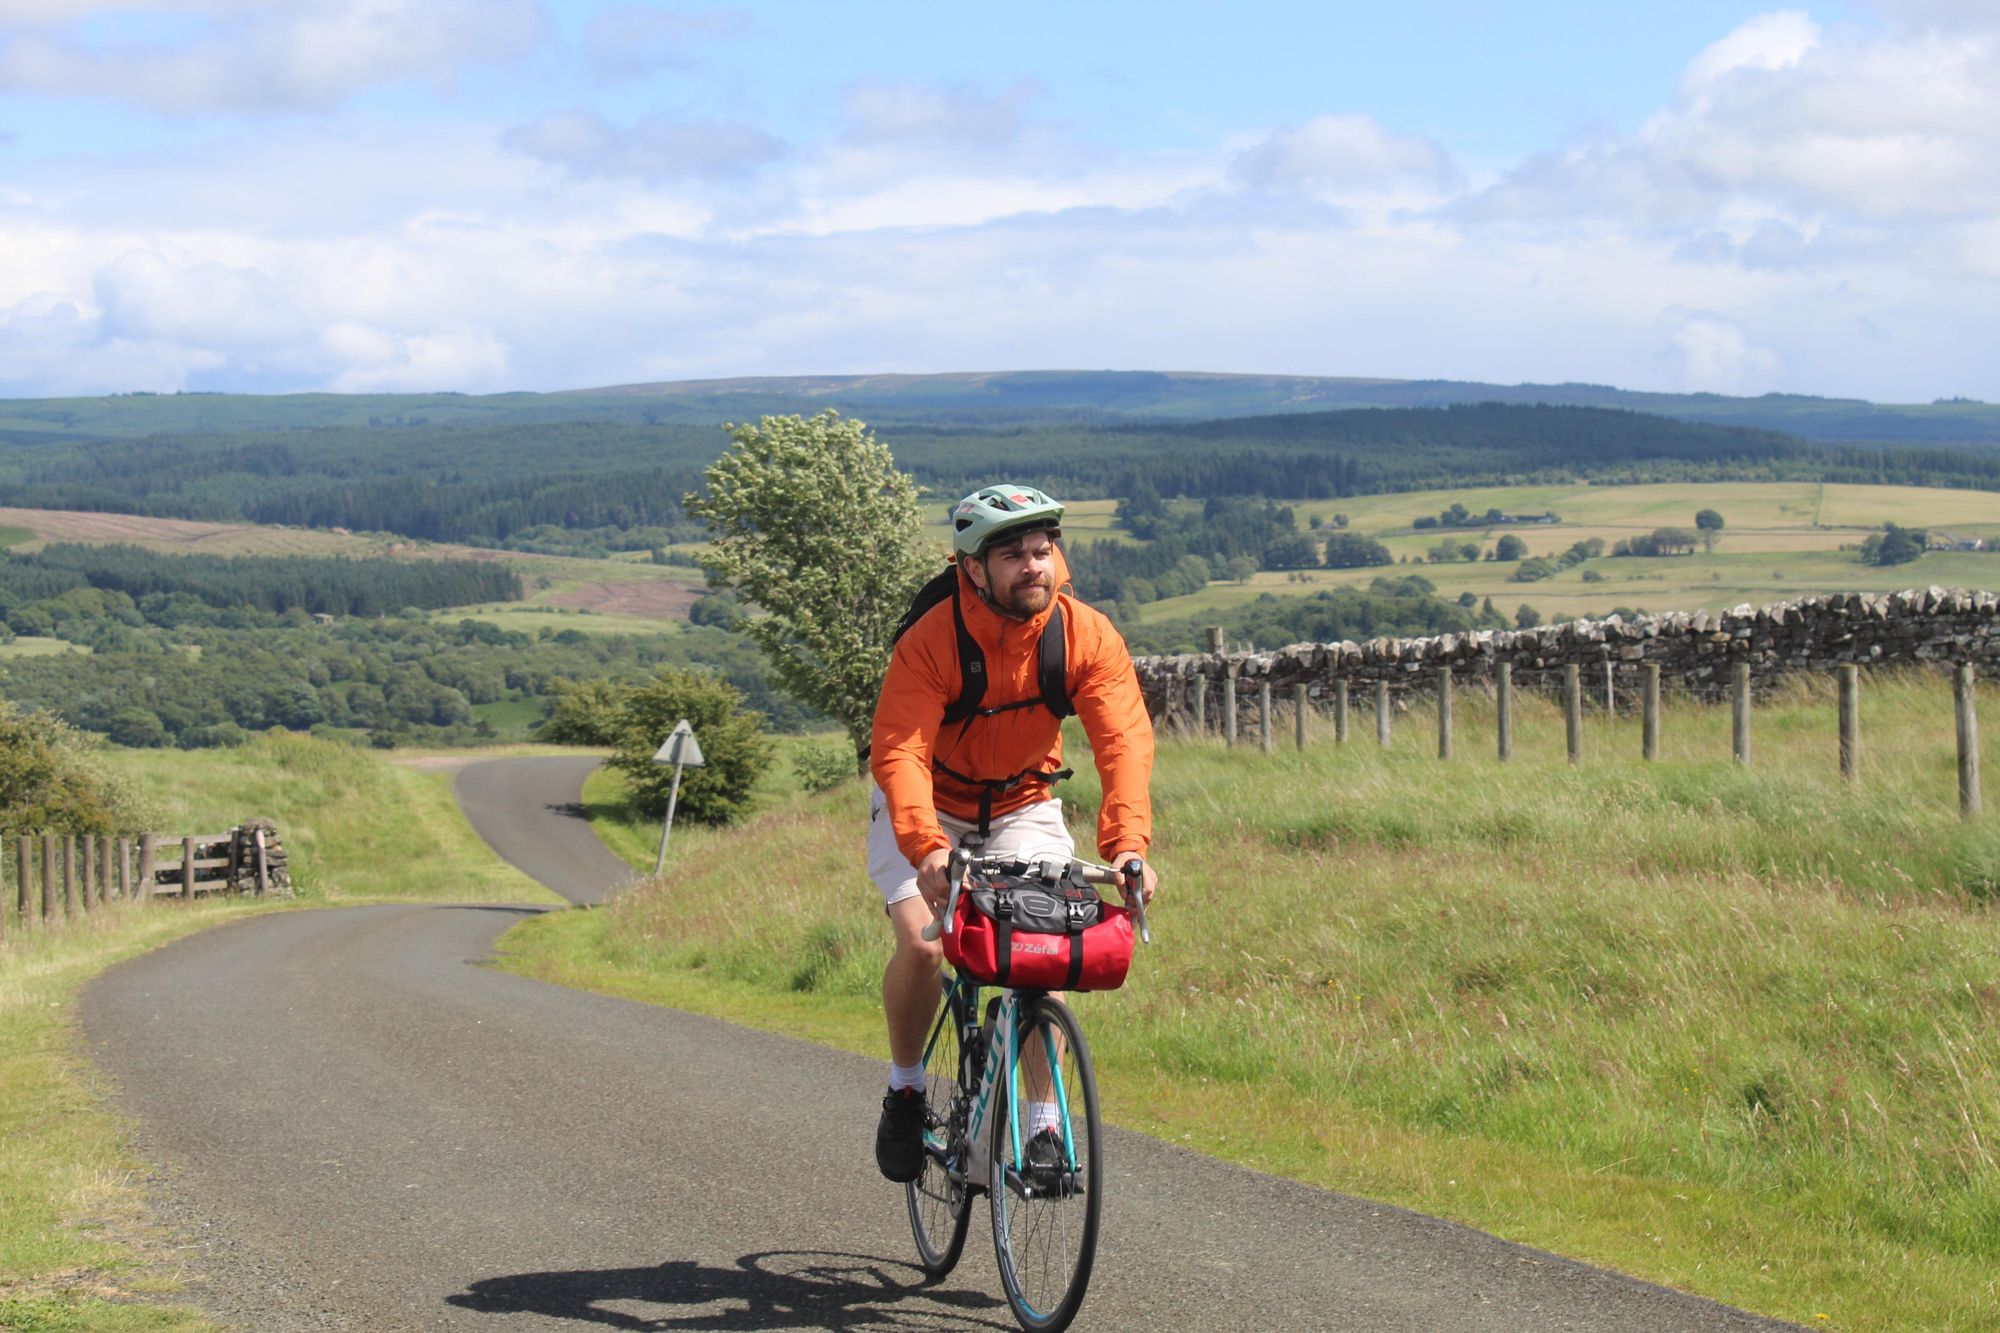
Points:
(30, 645)
(1731, 1030)
(1782, 540)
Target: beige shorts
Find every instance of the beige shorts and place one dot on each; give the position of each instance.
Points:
(1032, 831)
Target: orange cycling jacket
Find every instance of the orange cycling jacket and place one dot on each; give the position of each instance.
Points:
(924, 678)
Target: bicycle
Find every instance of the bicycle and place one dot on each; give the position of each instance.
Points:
(1020, 1064)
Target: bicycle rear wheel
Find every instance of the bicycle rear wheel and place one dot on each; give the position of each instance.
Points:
(940, 1204)
(1046, 1197)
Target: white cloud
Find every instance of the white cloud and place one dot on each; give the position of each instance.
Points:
(630, 40)
(307, 55)
(653, 148)
(1715, 354)
(1339, 155)
(883, 112)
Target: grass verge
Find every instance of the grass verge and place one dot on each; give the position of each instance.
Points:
(1735, 1031)
(75, 1250)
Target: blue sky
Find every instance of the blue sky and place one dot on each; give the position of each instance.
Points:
(498, 194)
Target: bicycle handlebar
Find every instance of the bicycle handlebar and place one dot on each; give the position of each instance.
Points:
(1130, 879)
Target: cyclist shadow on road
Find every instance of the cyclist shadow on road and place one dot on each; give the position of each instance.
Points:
(773, 1289)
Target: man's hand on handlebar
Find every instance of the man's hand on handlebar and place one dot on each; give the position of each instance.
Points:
(933, 878)
(1150, 880)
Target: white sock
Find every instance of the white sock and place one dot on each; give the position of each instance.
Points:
(1041, 1116)
(905, 1076)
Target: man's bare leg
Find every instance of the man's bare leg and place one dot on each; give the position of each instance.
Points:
(910, 983)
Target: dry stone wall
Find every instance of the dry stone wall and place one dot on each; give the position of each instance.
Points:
(1696, 651)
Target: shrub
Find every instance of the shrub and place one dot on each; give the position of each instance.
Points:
(733, 745)
(822, 767)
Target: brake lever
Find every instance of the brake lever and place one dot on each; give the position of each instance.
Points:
(1134, 871)
(961, 861)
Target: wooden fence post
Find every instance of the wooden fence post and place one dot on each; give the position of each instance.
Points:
(87, 881)
(125, 869)
(1503, 707)
(187, 871)
(1610, 688)
(1968, 742)
(149, 866)
(1340, 712)
(48, 877)
(1201, 707)
(1850, 721)
(69, 875)
(1649, 744)
(1444, 712)
(1382, 713)
(24, 877)
(1573, 711)
(1299, 716)
(263, 875)
(1229, 710)
(1739, 712)
(104, 881)
(1265, 740)
(1215, 639)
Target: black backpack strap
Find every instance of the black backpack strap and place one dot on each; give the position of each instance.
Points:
(1075, 977)
(1053, 665)
(971, 666)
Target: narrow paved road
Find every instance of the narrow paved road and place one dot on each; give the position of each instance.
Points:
(531, 811)
(367, 1130)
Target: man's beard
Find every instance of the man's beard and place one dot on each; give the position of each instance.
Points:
(1027, 599)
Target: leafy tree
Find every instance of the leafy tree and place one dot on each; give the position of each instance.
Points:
(1352, 550)
(1894, 545)
(137, 728)
(812, 522)
(586, 712)
(1240, 568)
(1510, 547)
(1708, 523)
(1291, 551)
(719, 609)
(733, 746)
(1526, 617)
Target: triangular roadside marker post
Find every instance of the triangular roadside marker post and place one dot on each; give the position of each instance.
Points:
(681, 750)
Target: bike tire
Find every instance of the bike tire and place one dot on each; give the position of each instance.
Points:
(941, 1206)
(1045, 1221)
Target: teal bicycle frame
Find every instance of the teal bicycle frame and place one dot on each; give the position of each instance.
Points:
(997, 1075)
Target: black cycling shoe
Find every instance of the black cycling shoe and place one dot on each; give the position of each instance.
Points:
(899, 1135)
(1047, 1164)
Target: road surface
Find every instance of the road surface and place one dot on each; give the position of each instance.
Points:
(362, 1128)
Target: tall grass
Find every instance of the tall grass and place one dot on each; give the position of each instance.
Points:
(1730, 1029)
(75, 1253)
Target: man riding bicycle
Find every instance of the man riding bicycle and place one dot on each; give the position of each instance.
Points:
(939, 779)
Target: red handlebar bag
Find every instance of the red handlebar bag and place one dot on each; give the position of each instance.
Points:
(1013, 930)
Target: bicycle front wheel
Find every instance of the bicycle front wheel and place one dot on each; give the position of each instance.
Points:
(940, 1204)
(1047, 1180)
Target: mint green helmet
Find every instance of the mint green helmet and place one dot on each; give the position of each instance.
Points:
(993, 512)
